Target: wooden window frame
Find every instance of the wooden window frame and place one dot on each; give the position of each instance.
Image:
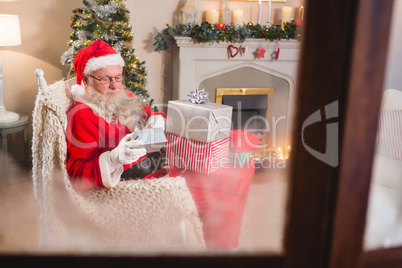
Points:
(365, 90)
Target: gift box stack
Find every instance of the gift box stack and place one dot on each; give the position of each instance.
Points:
(197, 135)
(201, 148)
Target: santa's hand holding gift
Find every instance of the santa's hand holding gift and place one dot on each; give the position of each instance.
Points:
(101, 120)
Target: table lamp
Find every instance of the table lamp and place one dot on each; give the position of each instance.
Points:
(10, 35)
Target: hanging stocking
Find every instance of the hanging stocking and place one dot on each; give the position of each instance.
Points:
(277, 52)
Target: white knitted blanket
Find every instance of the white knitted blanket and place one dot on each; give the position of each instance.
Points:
(135, 215)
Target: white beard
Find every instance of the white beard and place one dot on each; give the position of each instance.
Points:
(116, 108)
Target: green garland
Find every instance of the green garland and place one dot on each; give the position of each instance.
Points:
(207, 33)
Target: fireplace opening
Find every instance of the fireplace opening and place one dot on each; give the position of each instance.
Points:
(249, 112)
(252, 111)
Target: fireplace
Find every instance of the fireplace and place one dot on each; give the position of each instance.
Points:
(209, 67)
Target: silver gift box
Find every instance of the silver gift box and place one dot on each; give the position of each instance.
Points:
(202, 122)
(152, 139)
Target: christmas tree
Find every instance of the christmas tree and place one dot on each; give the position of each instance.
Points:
(107, 20)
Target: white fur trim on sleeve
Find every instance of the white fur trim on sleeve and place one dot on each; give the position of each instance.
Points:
(110, 176)
(156, 121)
(94, 64)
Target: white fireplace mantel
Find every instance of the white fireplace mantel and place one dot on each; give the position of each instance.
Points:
(195, 62)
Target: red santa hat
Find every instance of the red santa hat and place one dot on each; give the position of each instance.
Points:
(96, 56)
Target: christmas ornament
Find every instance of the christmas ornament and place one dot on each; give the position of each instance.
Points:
(233, 51)
(198, 96)
(103, 11)
(260, 52)
(275, 53)
(243, 50)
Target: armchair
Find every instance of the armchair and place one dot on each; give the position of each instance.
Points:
(134, 215)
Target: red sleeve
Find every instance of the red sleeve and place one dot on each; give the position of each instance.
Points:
(83, 148)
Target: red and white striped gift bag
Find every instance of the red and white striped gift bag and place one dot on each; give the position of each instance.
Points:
(197, 156)
(389, 137)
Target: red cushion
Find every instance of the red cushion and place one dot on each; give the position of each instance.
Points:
(220, 198)
(243, 141)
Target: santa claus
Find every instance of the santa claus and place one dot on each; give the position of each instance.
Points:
(100, 151)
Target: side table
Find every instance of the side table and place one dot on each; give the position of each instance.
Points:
(12, 127)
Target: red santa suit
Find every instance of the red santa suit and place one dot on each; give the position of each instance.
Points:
(89, 138)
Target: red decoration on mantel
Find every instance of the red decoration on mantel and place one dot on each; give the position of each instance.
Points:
(221, 26)
(233, 51)
(260, 52)
(277, 52)
(243, 50)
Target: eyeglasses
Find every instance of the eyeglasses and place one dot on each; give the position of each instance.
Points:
(108, 80)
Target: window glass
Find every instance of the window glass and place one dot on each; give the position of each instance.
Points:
(384, 215)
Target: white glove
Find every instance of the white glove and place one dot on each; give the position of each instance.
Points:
(156, 121)
(127, 152)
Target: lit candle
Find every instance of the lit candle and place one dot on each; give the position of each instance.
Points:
(301, 13)
(269, 14)
(286, 15)
(259, 15)
(212, 16)
(238, 17)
